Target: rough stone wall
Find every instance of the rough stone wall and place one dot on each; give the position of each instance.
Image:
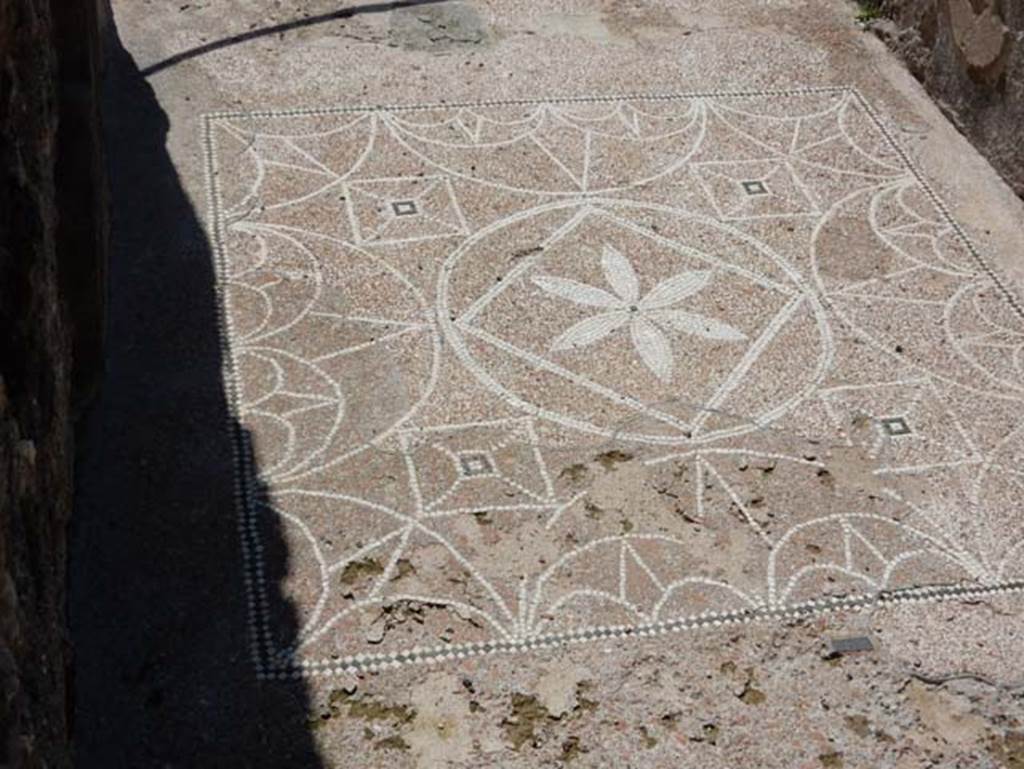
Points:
(970, 56)
(39, 325)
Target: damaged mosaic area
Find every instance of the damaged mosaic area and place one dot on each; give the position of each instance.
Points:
(516, 374)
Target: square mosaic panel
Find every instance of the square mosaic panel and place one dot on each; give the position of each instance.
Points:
(514, 374)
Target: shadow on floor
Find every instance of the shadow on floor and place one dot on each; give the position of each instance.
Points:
(163, 673)
(279, 29)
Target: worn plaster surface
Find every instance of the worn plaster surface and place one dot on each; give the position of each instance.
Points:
(608, 384)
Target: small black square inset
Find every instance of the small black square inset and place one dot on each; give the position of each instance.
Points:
(850, 644)
(475, 464)
(895, 426)
(404, 207)
(754, 187)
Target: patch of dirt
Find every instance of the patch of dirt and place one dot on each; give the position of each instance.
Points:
(609, 459)
(520, 727)
(352, 704)
(1008, 749)
(571, 749)
(441, 27)
(558, 686)
(393, 742)
(850, 468)
(576, 473)
(859, 725)
(639, 20)
(746, 692)
(440, 733)
(403, 568)
(398, 613)
(359, 571)
(946, 715)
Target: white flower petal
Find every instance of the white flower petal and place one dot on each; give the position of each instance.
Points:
(671, 290)
(653, 346)
(590, 330)
(579, 293)
(699, 325)
(620, 274)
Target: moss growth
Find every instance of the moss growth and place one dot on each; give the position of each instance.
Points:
(752, 696)
(583, 704)
(571, 749)
(574, 473)
(648, 739)
(343, 703)
(1008, 749)
(859, 725)
(527, 713)
(357, 571)
(483, 517)
(391, 743)
(369, 709)
(710, 733)
(403, 568)
(869, 10)
(609, 459)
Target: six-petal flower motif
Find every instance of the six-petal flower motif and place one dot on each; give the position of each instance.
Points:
(648, 317)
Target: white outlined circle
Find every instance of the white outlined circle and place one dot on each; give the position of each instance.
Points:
(454, 330)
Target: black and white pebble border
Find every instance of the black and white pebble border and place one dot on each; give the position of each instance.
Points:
(362, 663)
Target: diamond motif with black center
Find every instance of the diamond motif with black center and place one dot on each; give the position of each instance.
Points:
(404, 207)
(895, 426)
(475, 464)
(754, 187)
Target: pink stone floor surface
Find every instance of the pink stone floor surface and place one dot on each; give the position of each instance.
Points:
(600, 365)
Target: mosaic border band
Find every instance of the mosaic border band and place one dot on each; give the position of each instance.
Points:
(808, 609)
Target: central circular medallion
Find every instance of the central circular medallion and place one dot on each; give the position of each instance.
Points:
(633, 320)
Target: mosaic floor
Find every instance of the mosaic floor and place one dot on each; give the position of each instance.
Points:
(513, 374)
